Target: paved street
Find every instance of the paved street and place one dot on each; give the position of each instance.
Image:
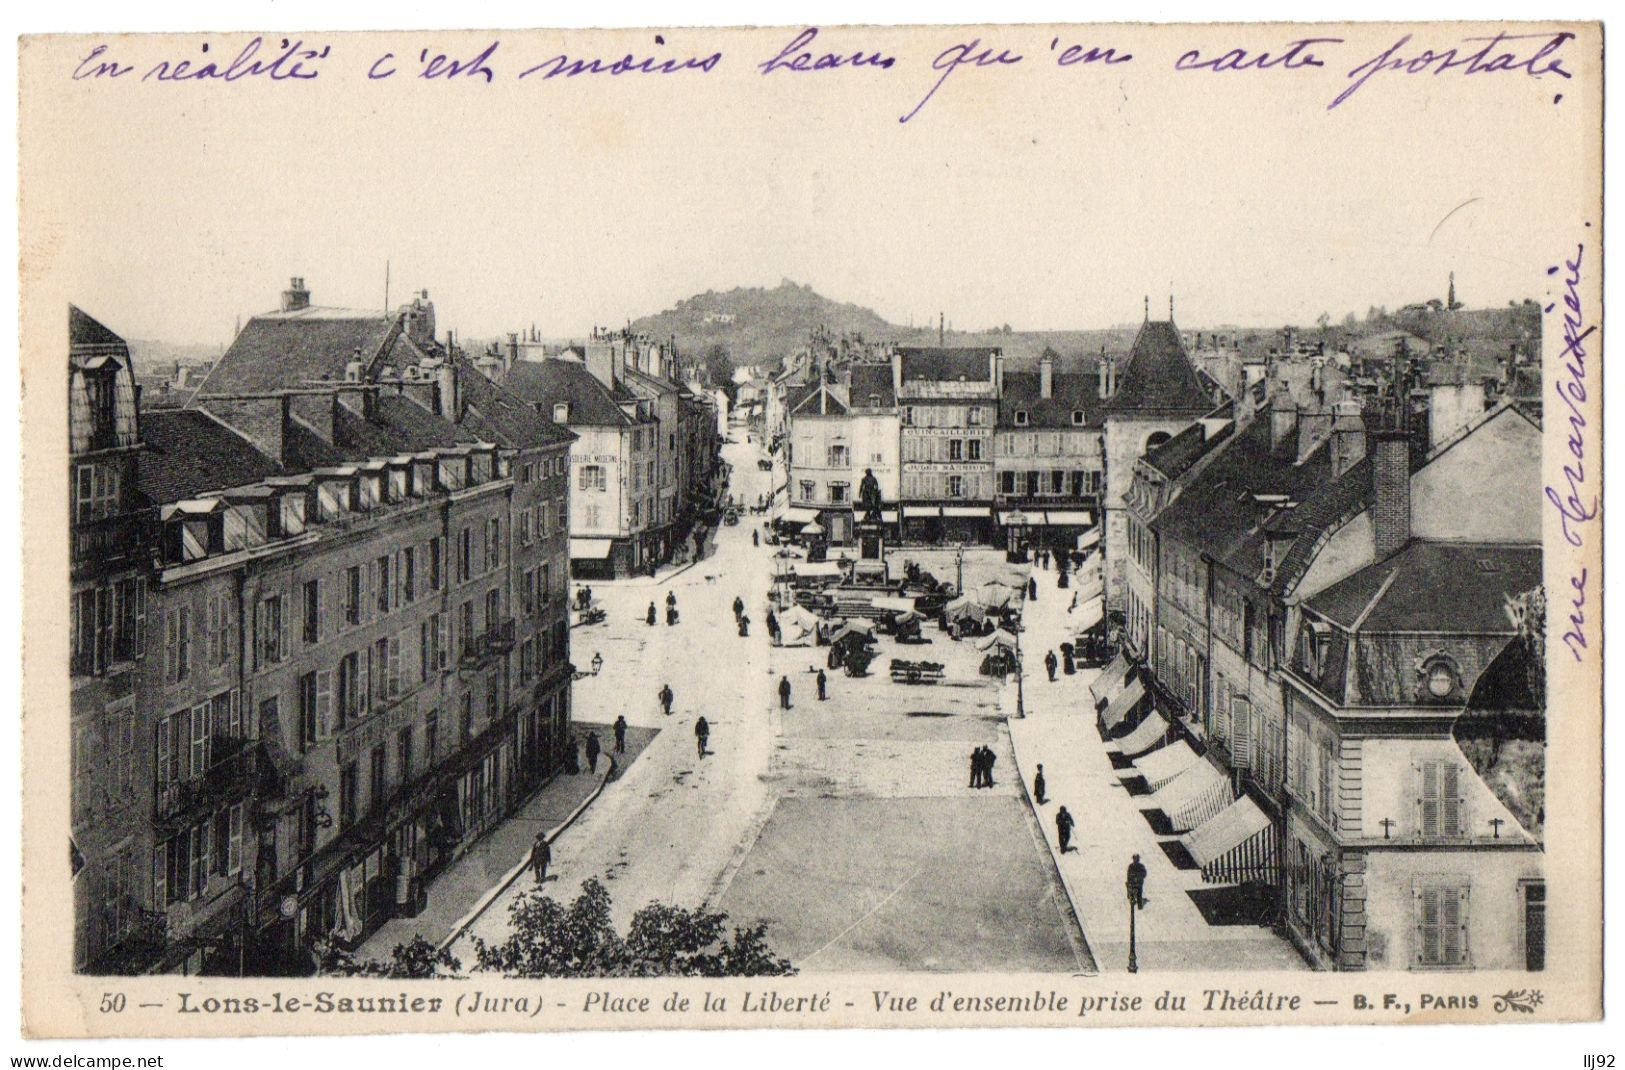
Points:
(846, 826)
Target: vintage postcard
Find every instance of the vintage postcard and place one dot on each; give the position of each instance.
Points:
(811, 526)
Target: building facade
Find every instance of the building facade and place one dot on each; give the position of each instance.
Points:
(1048, 462)
(948, 405)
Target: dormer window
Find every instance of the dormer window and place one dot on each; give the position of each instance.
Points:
(1021, 418)
(561, 412)
(975, 416)
(1439, 676)
(1077, 418)
(874, 401)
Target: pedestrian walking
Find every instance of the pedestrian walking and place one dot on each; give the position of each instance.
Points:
(652, 615)
(755, 537)
(772, 626)
(739, 607)
(744, 626)
(976, 768)
(671, 616)
(1038, 786)
(665, 699)
(1136, 883)
(541, 853)
(988, 760)
(671, 599)
(784, 692)
(823, 682)
(1063, 829)
(702, 734)
(1051, 663)
(1032, 589)
(592, 752)
(620, 735)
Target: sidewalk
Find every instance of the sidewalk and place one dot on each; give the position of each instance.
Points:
(1060, 732)
(467, 881)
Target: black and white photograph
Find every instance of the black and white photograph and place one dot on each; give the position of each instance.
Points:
(1030, 525)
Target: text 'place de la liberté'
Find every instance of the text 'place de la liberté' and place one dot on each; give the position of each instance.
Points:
(897, 649)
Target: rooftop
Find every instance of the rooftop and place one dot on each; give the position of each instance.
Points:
(282, 350)
(188, 453)
(1159, 376)
(1434, 587)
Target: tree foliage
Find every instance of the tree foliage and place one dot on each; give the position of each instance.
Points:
(551, 939)
(417, 959)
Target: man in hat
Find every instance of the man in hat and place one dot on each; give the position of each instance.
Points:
(541, 853)
(1136, 883)
(702, 734)
(620, 735)
(822, 682)
(1038, 786)
(784, 692)
(1051, 663)
(665, 699)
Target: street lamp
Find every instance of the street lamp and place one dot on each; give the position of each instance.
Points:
(1135, 885)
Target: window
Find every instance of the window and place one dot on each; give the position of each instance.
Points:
(1078, 418)
(431, 736)
(956, 486)
(352, 595)
(348, 789)
(973, 449)
(311, 615)
(974, 416)
(493, 609)
(1057, 482)
(377, 673)
(1441, 926)
(465, 731)
(1534, 924)
(273, 640)
(307, 711)
(380, 583)
(178, 644)
(403, 743)
(96, 492)
(379, 779)
(838, 456)
(493, 543)
(1021, 418)
(544, 586)
(465, 555)
(409, 574)
(809, 490)
(1441, 808)
(349, 687)
(1007, 482)
(435, 558)
(956, 449)
(838, 493)
(526, 520)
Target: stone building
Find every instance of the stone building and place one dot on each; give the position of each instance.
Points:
(948, 405)
(1047, 457)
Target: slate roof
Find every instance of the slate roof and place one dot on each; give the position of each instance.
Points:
(870, 380)
(279, 351)
(1069, 392)
(188, 453)
(496, 414)
(819, 399)
(1219, 512)
(548, 382)
(1159, 376)
(1175, 457)
(1439, 587)
(88, 337)
(947, 363)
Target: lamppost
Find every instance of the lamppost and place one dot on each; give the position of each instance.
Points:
(1135, 885)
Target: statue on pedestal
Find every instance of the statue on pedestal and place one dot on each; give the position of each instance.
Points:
(869, 496)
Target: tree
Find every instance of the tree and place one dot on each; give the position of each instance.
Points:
(417, 959)
(550, 939)
(719, 369)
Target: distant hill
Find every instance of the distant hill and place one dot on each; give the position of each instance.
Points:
(159, 358)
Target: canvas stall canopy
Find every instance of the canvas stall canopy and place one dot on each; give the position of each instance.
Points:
(1235, 845)
(1121, 706)
(1161, 766)
(1110, 681)
(1193, 796)
(1147, 734)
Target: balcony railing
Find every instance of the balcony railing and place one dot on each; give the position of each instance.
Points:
(107, 542)
(494, 641)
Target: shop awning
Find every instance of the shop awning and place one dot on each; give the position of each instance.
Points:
(893, 604)
(1023, 518)
(796, 514)
(888, 516)
(811, 527)
(1089, 614)
(1161, 766)
(912, 511)
(816, 568)
(1071, 517)
(1088, 538)
(1147, 734)
(1110, 681)
(966, 510)
(589, 549)
(1119, 707)
(1193, 796)
(998, 637)
(1234, 845)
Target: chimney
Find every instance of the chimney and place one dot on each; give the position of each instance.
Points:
(1111, 378)
(998, 373)
(513, 350)
(1100, 374)
(1046, 376)
(1391, 489)
(295, 296)
(1283, 416)
(447, 401)
(1314, 427)
(1348, 436)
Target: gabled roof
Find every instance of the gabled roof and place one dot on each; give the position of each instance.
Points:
(947, 363)
(549, 382)
(1069, 392)
(819, 399)
(1159, 376)
(493, 413)
(1436, 587)
(279, 351)
(88, 337)
(188, 453)
(1176, 456)
(872, 381)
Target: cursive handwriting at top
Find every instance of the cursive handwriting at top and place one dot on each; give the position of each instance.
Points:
(1542, 61)
(1296, 55)
(293, 61)
(627, 64)
(965, 55)
(796, 57)
(1574, 508)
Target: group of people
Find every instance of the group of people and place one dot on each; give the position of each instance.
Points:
(583, 597)
(981, 767)
(741, 621)
(671, 610)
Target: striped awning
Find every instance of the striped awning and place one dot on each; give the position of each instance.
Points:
(1120, 707)
(1110, 681)
(1089, 614)
(1161, 766)
(1234, 845)
(795, 514)
(1147, 734)
(1193, 796)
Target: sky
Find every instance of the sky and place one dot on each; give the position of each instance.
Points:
(1027, 194)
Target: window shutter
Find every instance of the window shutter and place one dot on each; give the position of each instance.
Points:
(371, 592)
(161, 746)
(1241, 733)
(442, 623)
(171, 645)
(234, 842)
(394, 665)
(1428, 802)
(214, 631)
(324, 702)
(160, 877)
(1452, 926)
(365, 704)
(1427, 926)
(205, 854)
